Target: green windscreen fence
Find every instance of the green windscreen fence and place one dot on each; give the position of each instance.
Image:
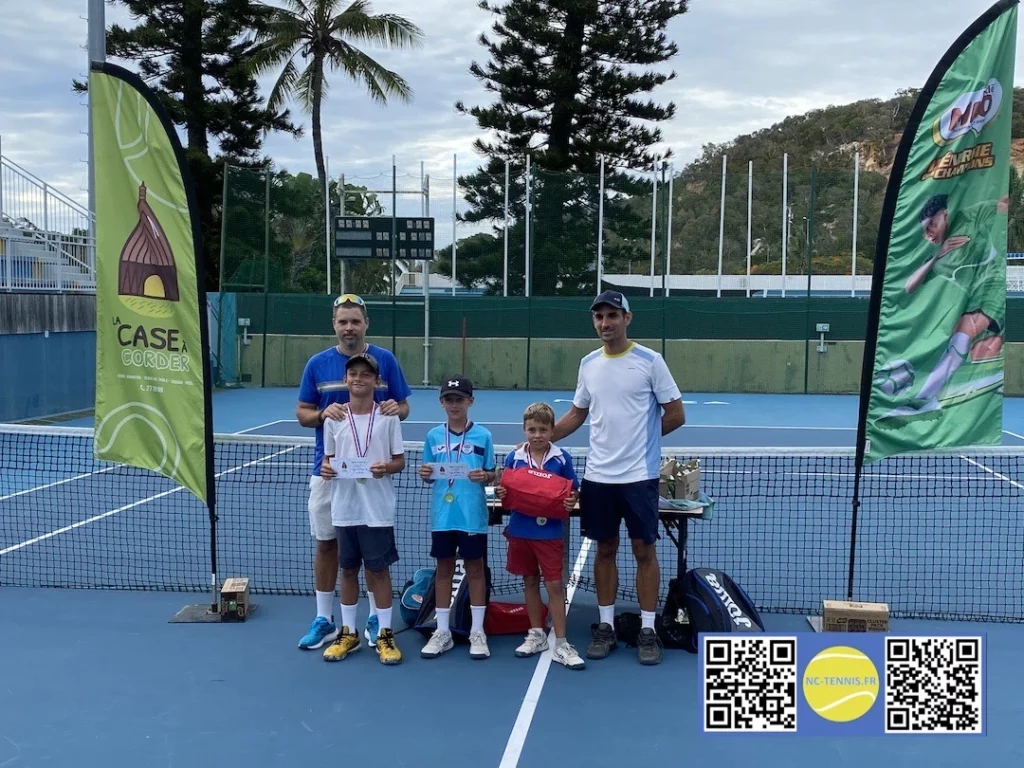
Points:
(731, 344)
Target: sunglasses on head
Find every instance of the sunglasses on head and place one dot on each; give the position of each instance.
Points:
(349, 298)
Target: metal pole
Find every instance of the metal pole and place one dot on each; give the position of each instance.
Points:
(600, 229)
(529, 216)
(785, 217)
(394, 253)
(327, 223)
(455, 194)
(504, 279)
(97, 52)
(654, 222)
(343, 200)
(668, 235)
(426, 293)
(856, 192)
(750, 202)
(721, 226)
(220, 275)
(266, 271)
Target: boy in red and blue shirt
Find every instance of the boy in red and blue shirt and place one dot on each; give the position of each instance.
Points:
(535, 546)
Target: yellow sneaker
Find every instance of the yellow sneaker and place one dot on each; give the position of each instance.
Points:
(387, 649)
(347, 642)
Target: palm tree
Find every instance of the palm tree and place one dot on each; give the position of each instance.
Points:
(323, 37)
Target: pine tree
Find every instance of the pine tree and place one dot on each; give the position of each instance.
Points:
(571, 78)
(195, 54)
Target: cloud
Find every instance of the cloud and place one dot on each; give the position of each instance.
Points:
(743, 65)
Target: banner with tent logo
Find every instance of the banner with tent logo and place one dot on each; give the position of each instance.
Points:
(933, 361)
(153, 407)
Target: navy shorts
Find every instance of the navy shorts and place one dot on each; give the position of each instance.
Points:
(471, 546)
(361, 545)
(603, 507)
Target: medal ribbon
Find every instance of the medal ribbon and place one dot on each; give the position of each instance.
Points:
(448, 447)
(361, 451)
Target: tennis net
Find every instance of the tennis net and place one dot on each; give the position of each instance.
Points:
(937, 535)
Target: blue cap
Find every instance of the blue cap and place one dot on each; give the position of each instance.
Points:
(614, 298)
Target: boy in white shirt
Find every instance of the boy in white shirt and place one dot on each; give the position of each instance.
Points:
(363, 508)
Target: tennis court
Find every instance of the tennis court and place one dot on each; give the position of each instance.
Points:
(938, 537)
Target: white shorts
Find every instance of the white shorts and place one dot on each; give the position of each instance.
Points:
(321, 526)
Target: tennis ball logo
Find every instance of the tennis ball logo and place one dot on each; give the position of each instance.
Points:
(840, 684)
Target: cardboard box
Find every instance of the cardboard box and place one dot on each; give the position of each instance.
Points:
(845, 616)
(679, 481)
(234, 600)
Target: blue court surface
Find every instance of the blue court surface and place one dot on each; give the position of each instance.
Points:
(98, 677)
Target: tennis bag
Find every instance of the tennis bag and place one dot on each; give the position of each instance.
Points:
(460, 620)
(413, 593)
(712, 602)
(535, 492)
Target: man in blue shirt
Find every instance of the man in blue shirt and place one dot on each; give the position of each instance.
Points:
(323, 395)
(458, 513)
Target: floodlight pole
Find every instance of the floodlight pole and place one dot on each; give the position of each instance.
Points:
(97, 46)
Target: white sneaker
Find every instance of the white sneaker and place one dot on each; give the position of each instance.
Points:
(567, 656)
(478, 646)
(438, 643)
(536, 642)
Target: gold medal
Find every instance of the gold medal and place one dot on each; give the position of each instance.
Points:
(449, 497)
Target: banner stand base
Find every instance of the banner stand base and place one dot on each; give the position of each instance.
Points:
(201, 614)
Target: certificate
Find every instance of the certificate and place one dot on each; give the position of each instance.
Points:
(349, 467)
(455, 471)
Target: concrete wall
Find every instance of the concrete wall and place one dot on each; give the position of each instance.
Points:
(697, 365)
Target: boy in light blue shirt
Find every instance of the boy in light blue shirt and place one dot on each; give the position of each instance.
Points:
(458, 512)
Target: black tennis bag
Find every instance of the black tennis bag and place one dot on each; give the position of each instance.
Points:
(460, 620)
(712, 602)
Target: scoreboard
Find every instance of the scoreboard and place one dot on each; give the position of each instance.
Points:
(369, 237)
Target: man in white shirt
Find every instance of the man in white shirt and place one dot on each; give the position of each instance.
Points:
(632, 400)
(360, 455)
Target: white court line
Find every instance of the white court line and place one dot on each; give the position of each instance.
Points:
(58, 482)
(1013, 434)
(95, 518)
(516, 740)
(992, 472)
(261, 426)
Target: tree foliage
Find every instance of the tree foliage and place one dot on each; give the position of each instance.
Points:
(572, 79)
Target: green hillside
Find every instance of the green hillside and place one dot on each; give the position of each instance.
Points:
(826, 139)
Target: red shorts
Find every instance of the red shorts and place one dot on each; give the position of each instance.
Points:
(528, 556)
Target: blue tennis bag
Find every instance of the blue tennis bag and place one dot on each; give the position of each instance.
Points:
(706, 600)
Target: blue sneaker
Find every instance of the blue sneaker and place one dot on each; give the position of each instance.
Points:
(371, 631)
(320, 631)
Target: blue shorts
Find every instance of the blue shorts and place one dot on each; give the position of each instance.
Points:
(360, 545)
(470, 546)
(603, 507)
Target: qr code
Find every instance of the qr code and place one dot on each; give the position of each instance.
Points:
(750, 684)
(933, 685)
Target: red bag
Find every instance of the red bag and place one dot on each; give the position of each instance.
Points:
(535, 492)
(510, 618)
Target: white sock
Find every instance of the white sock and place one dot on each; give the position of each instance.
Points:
(442, 619)
(955, 354)
(646, 619)
(372, 602)
(478, 617)
(384, 616)
(607, 614)
(324, 602)
(559, 641)
(348, 616)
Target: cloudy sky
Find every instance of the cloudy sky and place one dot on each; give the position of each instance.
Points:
(743, 64)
